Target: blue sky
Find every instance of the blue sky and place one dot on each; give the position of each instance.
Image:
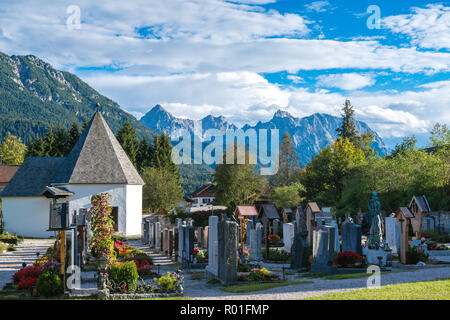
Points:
(246, 59)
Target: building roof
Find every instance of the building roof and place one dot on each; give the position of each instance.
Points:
(32, 177)
(405, 211)
(7, 172)
(287, 210)
(54, 192)
(97, 158)
(314, 207)
(206, 209)
(422, 203)
(270, 211)
(205, 191)
(246, 211)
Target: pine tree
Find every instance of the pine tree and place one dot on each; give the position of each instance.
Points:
(36, 148)
(128, 140)
(288, 164)
(61, 144)
(49, 144)
(162, 156)
(347, 129)
(74, 135)
(144, 155)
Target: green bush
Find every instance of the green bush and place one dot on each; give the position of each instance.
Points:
(243, 268)
(415, 255)
(124, 274)
(2, 247)
(437, 236)
(49, 284)
(276, 255)
(167, 282)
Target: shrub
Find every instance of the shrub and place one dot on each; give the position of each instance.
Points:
(169, 282)
(276, 255)
(243, 268)
(437, 236)
(124, 276)
(2, 247)
(347, 259)
(415, 254)
(49, 284)
(27, 272)
(259, 274)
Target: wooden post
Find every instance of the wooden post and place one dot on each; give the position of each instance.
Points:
(62, 239)
(403, 239)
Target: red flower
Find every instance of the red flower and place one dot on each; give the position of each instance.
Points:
(27, 272)
(195, 251)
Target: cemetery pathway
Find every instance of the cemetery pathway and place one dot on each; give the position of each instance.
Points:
(199, 290)
(11, 261)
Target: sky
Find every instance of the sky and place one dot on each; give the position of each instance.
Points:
(246, 59)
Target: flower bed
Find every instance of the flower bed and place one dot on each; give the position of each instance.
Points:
(260, 275)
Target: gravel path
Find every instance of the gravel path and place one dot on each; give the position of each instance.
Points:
(199, 290)
(11, 261)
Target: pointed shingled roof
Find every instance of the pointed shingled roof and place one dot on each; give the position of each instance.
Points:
(97, 158)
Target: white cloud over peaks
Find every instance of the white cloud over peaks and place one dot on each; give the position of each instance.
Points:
(428, 27)
(345, 81)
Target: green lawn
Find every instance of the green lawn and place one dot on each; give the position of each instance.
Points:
(424, 290)
(343, 276)
(260, 286)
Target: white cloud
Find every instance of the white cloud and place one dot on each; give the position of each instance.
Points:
(317, 6)
(428, 27)
(295, 79)
(345, 81)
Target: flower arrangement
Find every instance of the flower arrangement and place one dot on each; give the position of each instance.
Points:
(347, 259)
(102, 227)
(27, 277)
(274, 238)
(260, 274)
(144, 267)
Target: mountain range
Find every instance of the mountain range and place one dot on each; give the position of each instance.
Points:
(35, 96)
(309, 134)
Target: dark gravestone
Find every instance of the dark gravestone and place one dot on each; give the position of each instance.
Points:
(323, 250)
(189, 243)
(227, 250)
(299, 251)
(351, 236)
(175, 243)
(171, 244)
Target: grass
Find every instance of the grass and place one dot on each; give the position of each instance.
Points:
(423, 290)
(260, 286)
(168, 298)
(311, 275)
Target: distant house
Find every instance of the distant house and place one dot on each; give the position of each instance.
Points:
(96, 164)
(6, 174)
(203, 196)
(249, 212)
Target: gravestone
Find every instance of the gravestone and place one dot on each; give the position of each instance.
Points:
(175, 243)
(228, 246)
(212, 269)
(166, 241)
(199, 236)
(323, 217)
(188, 252)
(288, 236)
(276, 224)
(323, 250)
(161, 241)
(428, 223)
(255, 243)
(205, 238)
(157, 236)
(392, 234)
(181, 242)
(337, 246)
(151, 231)
(351, 236)
(300, 250)
(171, 242)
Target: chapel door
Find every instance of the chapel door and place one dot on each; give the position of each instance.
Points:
(115, 217)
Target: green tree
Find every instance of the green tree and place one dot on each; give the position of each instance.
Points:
(287, 196)
(407, 144)
(162, 189)
(49, 144)
(347, 128)
(288, 164)
(235, 183)
(61, 143)
(325, 175)
(12, 150)
(162, 155)
(128, 140)
(74, 135)
(36, 148)
(144, 155)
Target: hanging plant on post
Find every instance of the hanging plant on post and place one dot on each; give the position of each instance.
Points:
(102, 245)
